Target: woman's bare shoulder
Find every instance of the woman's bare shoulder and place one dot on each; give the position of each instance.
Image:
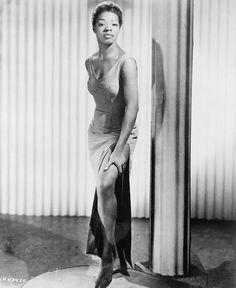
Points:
(129, 67)
(89, 59)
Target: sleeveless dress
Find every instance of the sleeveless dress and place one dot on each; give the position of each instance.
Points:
(103, 134)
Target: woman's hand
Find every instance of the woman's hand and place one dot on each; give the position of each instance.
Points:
(118, 159)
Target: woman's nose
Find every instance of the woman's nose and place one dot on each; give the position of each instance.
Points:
(108, 28)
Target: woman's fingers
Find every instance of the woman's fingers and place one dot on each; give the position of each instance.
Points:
(120, 169)
(108, 165)
(120, 166)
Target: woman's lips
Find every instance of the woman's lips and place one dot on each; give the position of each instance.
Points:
(108, 36)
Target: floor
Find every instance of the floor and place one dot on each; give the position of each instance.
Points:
(30, 246)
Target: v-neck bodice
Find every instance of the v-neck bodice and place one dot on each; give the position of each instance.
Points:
(109, 71)
(108, 95)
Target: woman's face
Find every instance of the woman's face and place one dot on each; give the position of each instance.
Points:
(107, 28)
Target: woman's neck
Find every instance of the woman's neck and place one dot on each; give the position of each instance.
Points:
(106, 52)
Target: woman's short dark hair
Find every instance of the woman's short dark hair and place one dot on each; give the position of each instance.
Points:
(106, 6)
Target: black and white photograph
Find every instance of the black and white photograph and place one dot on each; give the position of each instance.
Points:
(117, 143)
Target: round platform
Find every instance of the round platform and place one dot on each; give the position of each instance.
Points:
(84, 276)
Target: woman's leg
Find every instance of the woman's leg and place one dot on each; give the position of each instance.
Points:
(107, 210)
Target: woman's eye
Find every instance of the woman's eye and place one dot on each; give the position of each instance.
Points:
(100, 24)
(115, 24)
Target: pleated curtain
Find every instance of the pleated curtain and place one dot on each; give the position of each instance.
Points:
(45, 109)
(214, 110)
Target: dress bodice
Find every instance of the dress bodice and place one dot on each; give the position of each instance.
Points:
(108, 95)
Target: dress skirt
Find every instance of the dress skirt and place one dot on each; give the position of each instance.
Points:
(100, 148)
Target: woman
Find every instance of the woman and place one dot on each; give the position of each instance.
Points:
(112, 136)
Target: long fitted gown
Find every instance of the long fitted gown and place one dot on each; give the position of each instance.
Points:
(103, 134)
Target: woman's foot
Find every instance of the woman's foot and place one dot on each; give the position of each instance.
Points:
(120, 267)
(104, 277)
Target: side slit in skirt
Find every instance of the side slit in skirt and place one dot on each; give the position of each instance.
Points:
(123, 222)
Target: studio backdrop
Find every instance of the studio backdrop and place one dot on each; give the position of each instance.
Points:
(45, 109)
(214, 110)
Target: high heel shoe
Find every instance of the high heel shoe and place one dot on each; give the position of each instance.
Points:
(120, 267)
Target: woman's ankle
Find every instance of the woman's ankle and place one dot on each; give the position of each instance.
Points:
(108, 251)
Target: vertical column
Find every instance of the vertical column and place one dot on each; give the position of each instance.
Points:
(170, 205)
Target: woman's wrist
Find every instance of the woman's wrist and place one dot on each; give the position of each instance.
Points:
(119, 147)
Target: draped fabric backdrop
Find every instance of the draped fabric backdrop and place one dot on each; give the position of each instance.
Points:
(45, 108)
(214, 110)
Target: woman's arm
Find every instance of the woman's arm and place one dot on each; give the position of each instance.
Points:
(129, 79)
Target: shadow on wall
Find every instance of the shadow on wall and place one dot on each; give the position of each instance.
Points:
(158, 88)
